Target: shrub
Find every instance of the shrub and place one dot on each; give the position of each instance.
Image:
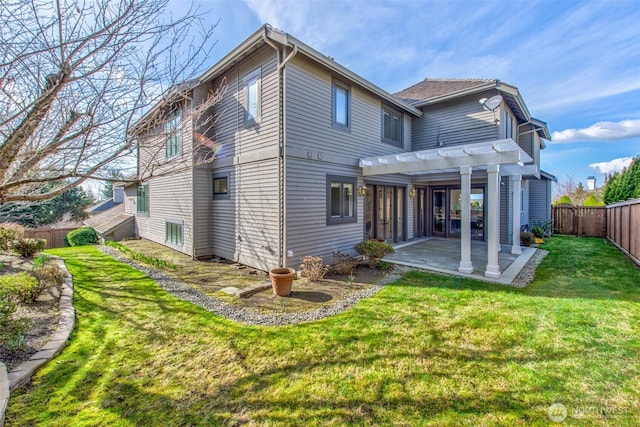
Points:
(18, 287)
(374, 251)
(537, 231)
(564, 200)
(344, 264)
(12, 331)
(82, 236)
(47, 275)
(592, 201)
(28, 247)
(8, 233)
(313, 269)
(526, 238)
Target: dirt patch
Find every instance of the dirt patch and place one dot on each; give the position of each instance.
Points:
(210, 276)
(42, 314)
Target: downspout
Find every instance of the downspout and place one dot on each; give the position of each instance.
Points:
(193, 187)
(282, 194)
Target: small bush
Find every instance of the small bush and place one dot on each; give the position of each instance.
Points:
(12, 331)
(47, 275)
(28, 247)
(564, 200)
(344, 264)
(82, 236)
(537, 231)
(9, 233)
(39, 261)
(18, 287)
(526, 238)
(313, 269)
(374, 251)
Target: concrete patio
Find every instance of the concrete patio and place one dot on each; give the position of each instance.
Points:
(443, 256)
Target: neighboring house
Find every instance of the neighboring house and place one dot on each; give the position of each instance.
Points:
(109, 219)
(311, 158)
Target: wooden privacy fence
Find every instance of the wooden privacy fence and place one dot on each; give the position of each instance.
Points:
(623, 227)
(53, 236)
(580, 220)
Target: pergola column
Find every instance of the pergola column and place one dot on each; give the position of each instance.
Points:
(465, 217)
(493, 226)
(515, 248)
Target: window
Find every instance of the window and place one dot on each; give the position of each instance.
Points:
(341, 200)
(173, 131)
(341, 114)
(252, 96)
(221, 186)
(392, 127)
(142, 204)
(173, 232)
(522, 200)
(507, 123)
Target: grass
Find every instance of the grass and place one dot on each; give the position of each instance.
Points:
(427, 350)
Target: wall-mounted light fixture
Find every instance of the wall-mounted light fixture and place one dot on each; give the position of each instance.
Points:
(412, 193)
(362, 191)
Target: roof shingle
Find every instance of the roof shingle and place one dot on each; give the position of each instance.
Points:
(432, 88)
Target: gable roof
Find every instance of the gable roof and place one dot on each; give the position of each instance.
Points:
(109, 220)
(267, 35)
(432, 91)
(435, 88)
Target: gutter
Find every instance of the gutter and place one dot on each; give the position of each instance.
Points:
(270, 36)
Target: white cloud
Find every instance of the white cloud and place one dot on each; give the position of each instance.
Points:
(615, 165)
(607, 131)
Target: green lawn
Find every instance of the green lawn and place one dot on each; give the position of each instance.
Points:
(427, 350)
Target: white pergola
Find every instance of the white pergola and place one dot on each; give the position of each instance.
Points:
(500, 157)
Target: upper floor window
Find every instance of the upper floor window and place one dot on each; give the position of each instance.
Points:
(341, 108)
(142, 200)
(507, 124)
(341, 199)
(391, 127)
(173, 132)
(252, 96)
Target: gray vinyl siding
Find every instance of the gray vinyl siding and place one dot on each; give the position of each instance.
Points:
(232, 134)
(151, 150)
(203, 244)
(224, 217)
(256, 198)
(130, 199)
(307, 229)
(527, 141)
(169, 199)
(462, 121)
(309, 117)
(539, 201)
(125, 230)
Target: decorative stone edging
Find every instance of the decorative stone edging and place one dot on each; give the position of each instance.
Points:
(21, 374)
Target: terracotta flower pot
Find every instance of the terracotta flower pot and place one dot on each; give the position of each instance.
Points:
(282, 280)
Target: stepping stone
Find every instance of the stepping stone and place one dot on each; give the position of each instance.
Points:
(231, 290)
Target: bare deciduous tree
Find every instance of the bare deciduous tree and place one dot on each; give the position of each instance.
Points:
(74, 77)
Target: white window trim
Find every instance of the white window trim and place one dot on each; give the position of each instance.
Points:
(253, 76)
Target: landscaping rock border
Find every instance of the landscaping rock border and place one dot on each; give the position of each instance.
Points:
(240, 314)
(21, 374)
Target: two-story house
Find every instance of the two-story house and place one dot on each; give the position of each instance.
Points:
(307, 158)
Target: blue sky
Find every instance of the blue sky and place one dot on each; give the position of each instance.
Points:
(577, 64)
